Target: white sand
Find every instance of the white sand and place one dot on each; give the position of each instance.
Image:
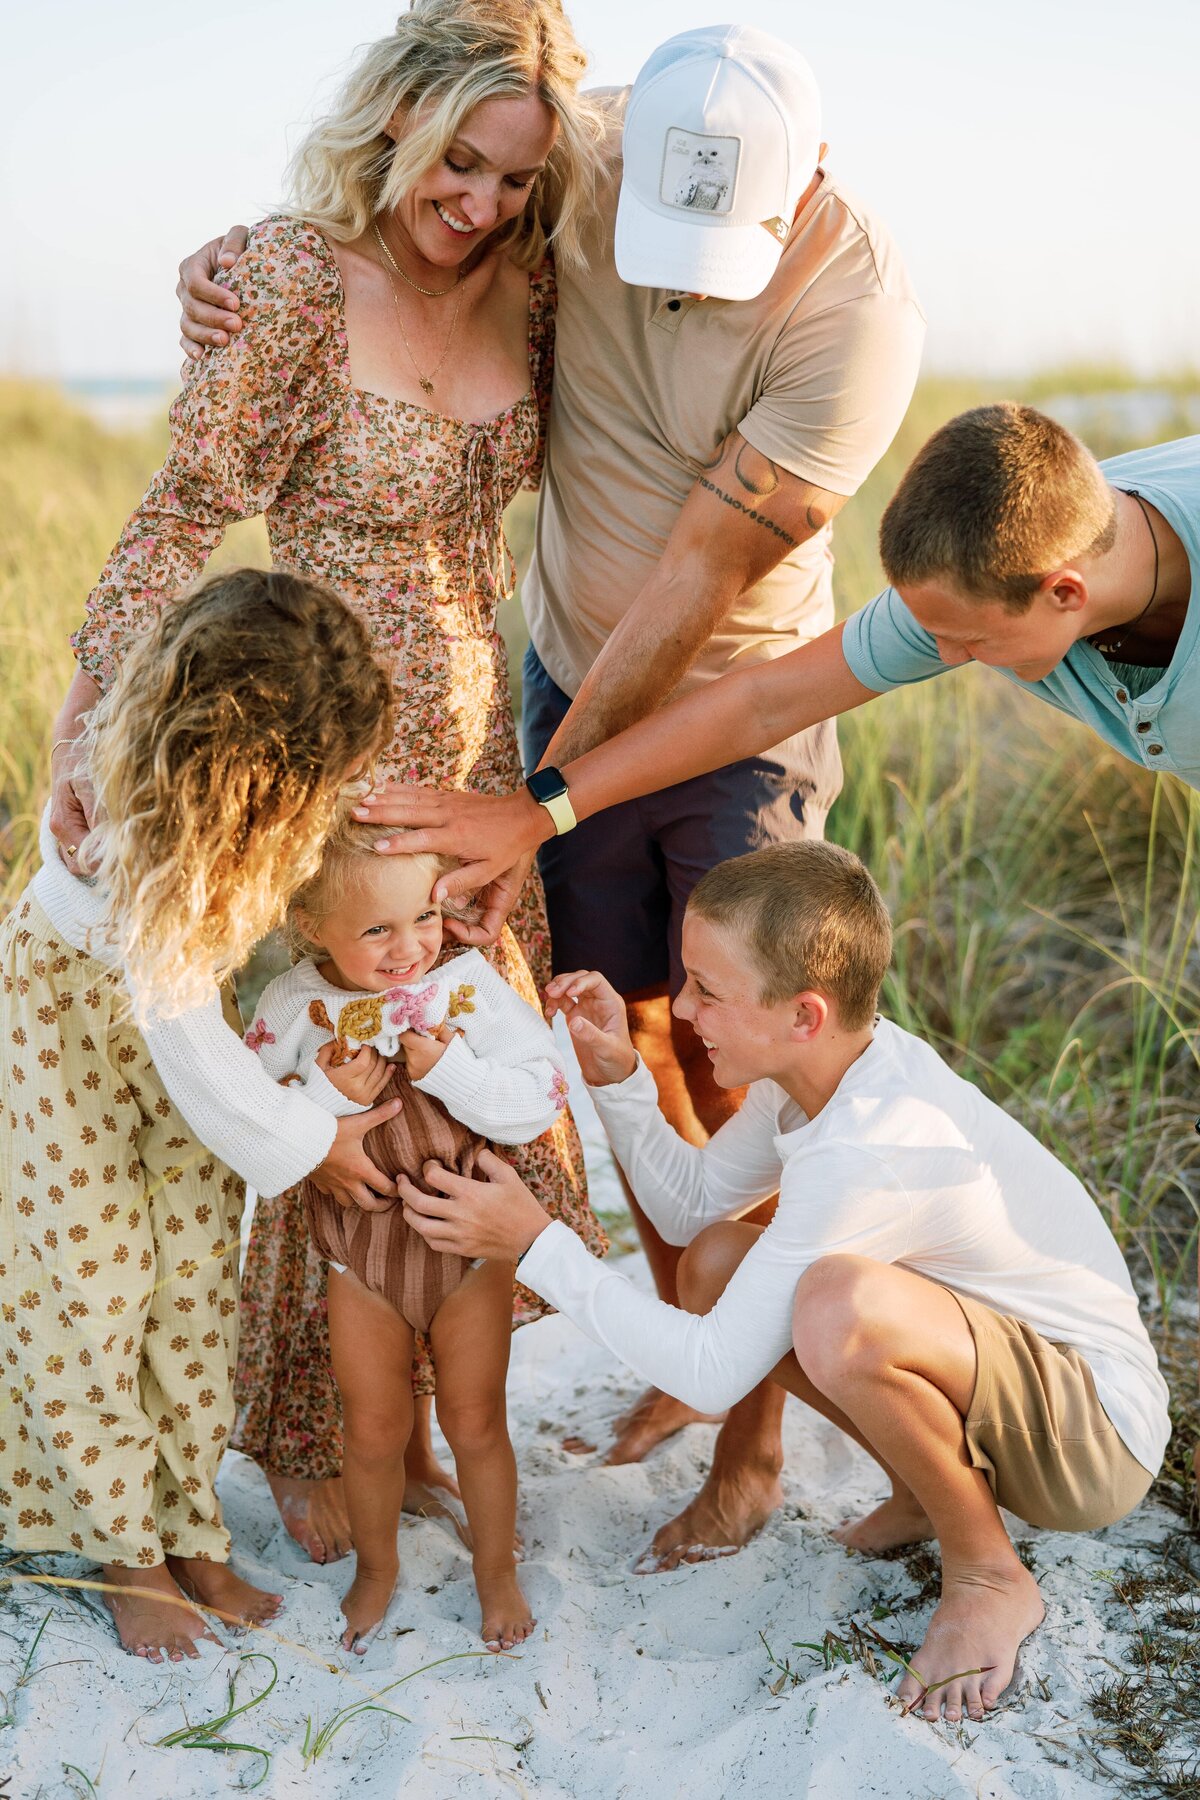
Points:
(656, 1686)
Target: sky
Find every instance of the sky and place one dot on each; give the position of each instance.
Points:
(1036, 161)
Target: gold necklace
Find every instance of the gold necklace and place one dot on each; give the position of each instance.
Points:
(429, 293)
(426, 381)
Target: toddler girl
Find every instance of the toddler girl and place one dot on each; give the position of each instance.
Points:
(216, 759)
(368, 1015)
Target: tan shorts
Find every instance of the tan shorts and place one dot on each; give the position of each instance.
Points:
(1037, 1430)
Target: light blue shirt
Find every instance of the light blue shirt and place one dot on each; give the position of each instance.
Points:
(1158, 726)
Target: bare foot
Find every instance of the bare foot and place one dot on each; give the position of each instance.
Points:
(314, 1513)
(151, 1615)
(507, 1619)
(981, 1621)
(216, 1586)
(431, 1492)
(652, 1418)
(732, 1506)
(365, 1606)
(900, 1520)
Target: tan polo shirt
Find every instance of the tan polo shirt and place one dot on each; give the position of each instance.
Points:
(816, 372)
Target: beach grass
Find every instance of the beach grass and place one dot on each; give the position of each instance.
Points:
(1046, 893)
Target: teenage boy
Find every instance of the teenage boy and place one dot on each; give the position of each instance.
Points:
(933, 1281)
(728, 369)
(1007, 544)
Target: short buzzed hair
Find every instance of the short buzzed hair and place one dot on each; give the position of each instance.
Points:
(997, 500)
(810, 916)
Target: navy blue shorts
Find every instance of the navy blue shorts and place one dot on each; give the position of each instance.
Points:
(617, 886)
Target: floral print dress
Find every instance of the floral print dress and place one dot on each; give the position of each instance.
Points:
(399, 509)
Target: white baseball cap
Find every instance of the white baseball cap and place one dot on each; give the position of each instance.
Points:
(722, 136)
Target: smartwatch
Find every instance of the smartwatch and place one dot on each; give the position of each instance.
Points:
(550, 790)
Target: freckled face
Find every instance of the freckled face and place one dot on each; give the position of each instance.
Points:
(744, 1036)
(1031, 643)
(483, 180)
(387, 931)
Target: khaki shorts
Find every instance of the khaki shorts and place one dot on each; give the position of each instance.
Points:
(1038, 1432)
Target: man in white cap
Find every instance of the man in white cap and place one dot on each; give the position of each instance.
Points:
(736, 359)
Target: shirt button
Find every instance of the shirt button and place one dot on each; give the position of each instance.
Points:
(1144, 725)
(1154, 749)
(1122, 696)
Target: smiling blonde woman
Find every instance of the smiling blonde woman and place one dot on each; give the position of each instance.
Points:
(384, 401)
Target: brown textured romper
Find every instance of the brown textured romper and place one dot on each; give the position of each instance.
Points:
(385, 1253)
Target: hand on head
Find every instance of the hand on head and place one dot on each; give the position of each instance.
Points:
(493, 836)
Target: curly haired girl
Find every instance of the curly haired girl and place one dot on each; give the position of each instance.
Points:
(216, 759)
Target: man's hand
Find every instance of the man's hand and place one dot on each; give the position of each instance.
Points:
(598, 1023)
(497, 1217)
(424, 1052)
(210, 313)
(347, 1174)
(494, 837)
(361, 1078)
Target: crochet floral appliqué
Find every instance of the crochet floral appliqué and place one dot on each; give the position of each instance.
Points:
(258, 1035)
(558, 1090)
(408, 1007)
(462, 1000)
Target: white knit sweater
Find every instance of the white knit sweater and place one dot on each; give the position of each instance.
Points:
(503, 1076)
(271, 1136)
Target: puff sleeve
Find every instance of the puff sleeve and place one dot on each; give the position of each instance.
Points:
(244, 412)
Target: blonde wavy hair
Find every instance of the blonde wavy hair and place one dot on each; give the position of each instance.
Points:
(217, 757)
(444, 58)
(347, 854)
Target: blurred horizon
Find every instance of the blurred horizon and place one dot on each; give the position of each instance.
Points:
(1035, 169)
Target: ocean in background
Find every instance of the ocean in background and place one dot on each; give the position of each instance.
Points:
(1145, 413)
(121, 405)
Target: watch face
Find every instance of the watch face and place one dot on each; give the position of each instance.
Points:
(546, 784)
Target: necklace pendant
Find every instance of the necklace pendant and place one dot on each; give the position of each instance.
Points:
(426, 385)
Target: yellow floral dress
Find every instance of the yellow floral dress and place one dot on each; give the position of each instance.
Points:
(400, 510)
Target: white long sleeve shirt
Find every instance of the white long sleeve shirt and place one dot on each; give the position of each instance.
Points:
(908, 1164)
(271, 1136)
(503, 1076)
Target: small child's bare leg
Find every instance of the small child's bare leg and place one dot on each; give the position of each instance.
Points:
(372, 1350)
(471, 1335)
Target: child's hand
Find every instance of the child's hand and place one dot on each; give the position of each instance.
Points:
(423, 1052)
(361, 1079)
(599, 1027)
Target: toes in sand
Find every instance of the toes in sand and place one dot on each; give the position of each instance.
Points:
(152, 1617)
(729, 1510)
(215, 1585)
(365, 1607)
(970, 1650)
(314, 1514)
(506, 1618)
(651, 1419)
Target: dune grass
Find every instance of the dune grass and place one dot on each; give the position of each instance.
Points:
(1046, 894)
